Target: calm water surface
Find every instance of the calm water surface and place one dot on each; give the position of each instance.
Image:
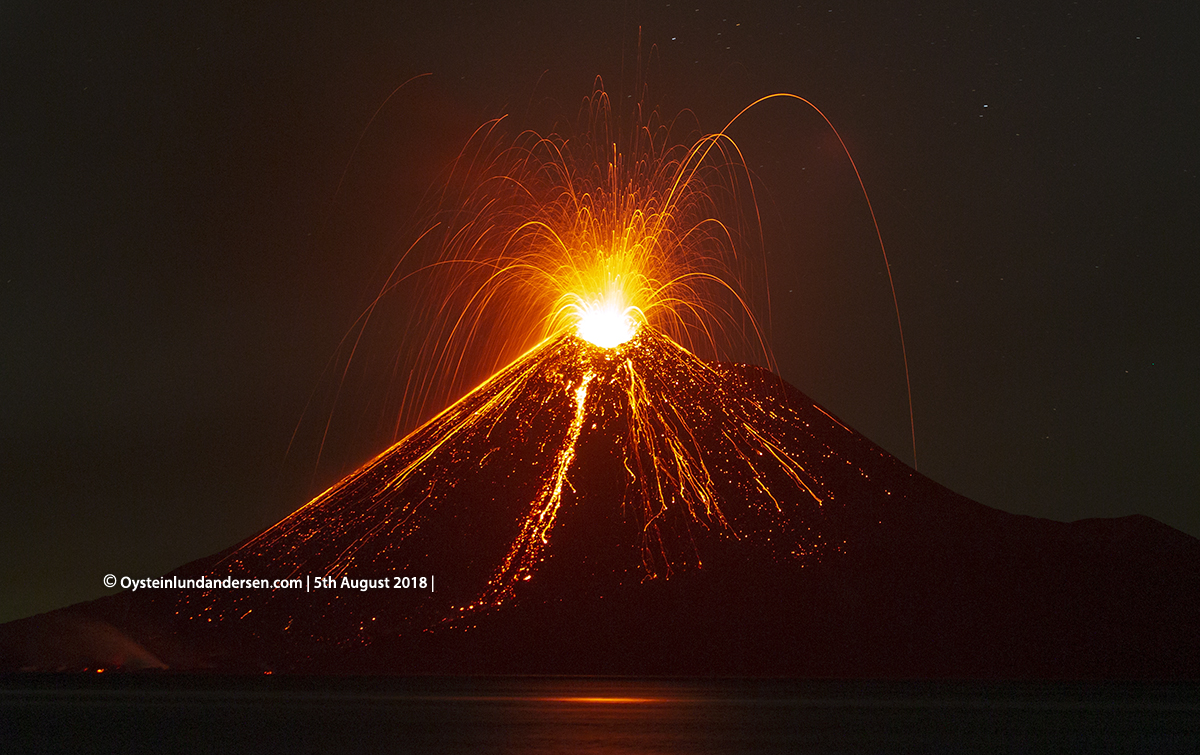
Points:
(588, 715)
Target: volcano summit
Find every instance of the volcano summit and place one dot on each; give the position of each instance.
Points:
(636, 510)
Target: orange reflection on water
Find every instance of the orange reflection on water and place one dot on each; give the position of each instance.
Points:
(603, 700)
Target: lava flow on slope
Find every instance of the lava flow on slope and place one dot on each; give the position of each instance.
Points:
(645, 460)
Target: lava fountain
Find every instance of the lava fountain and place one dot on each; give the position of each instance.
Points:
(609, 261)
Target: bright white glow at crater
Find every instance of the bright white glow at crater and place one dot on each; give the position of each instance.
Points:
(606, 323)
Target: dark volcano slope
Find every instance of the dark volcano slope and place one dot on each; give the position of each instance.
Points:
(824, 556)
(943, 588)
(925, 584)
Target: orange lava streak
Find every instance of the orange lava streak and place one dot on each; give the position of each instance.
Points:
(669, 467)
(466, 417)
(526, 550)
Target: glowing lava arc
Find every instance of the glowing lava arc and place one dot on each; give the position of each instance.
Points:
(597, 230)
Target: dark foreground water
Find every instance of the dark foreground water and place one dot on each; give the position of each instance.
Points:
(587, 715)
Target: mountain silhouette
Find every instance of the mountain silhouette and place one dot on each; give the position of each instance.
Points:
(637, 510)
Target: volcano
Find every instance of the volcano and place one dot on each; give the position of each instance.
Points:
(637, 510)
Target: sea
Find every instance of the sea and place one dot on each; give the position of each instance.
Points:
(169, 713)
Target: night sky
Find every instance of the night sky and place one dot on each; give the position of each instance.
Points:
(191, 223)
